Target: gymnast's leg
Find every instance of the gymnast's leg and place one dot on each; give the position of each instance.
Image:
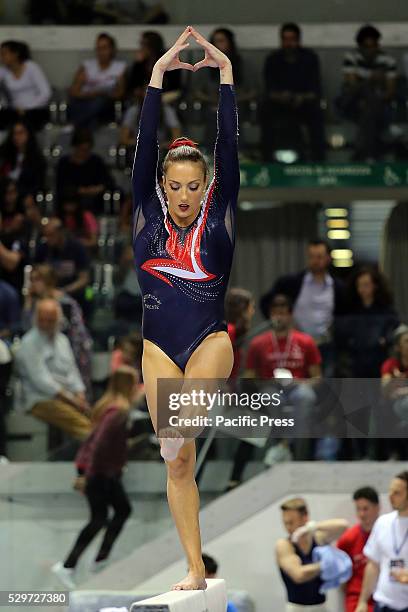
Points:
(212, 359)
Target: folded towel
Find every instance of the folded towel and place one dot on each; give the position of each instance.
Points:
(336, 566)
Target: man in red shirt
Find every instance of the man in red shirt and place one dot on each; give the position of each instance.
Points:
(353, 541)
(286, 353)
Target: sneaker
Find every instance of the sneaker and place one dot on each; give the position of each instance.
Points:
(98, 566)
(277, 454)
(65, 574)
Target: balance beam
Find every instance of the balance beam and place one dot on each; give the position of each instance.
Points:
(213, 599)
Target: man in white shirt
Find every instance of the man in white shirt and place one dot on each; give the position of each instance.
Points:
(53, 390)
(387, 554)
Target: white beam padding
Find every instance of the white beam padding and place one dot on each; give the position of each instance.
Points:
(213, 599)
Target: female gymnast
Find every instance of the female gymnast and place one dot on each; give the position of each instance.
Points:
(183, 245)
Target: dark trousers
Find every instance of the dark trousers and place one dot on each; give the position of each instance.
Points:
(282, 129)
(363, 105)
(36, 118)
(101, 493)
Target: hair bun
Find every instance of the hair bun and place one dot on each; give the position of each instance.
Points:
(183, 142)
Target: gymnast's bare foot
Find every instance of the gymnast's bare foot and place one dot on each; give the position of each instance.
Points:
(192, 582)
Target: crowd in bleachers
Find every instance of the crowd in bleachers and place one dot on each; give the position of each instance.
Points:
(65, 224)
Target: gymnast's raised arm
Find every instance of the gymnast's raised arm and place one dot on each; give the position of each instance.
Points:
(147, 148)
(226, 146)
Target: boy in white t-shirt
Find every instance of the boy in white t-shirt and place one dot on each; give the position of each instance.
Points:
(387, 553)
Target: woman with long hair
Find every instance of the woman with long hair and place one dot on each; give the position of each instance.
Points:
(183, 243)
(22, 161)
(100, 462)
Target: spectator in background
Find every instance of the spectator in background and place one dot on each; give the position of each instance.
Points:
(97, 84)
(13, 255)
(387, 554)
(128, 352)
(100, 461)
(33, 226)
(67, 256)
(22, 160)
(26, 86)
(79, 222)
(84, 172)
(353, 540)
(53, 390)
(300, 575)
(239, 312)
(10, 310)
(150, 50)
(11, 209)
(211, 569)
(292, 98)
(285, 352)
(394, 374)
(365, 332)
(318, 298)
(170, 130)
(128, 299)
(43, 284)
(137, 80)
(369, 87)
(207, 84)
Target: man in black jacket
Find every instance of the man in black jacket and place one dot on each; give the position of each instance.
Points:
(292, 98)
(317, 296)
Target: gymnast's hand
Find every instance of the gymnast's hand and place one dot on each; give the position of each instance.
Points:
(214, 58)
(170, 60)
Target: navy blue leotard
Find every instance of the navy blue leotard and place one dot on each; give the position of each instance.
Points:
(183, 272)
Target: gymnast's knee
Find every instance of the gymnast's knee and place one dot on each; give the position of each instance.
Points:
(181, 469)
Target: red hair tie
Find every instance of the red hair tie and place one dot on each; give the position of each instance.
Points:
(183, 142)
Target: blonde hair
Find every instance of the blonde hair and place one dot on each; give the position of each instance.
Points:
(121, 385)
(295, 503)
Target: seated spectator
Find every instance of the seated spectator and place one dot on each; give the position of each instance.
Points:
(22, 160)
(97, 84)
(292, 98)
(317, 296)
(285, 352)
(53, 390)
(369, 88)
(10, 310)
(208, 85)
(11, 209)
(365, 332)
(33, 226)
(26, 86)
(169, 128)
(137, 80)
(394, 374)
(43, 284)
(84, 172)
(79, 222)
(239, 312)
(68, 258)
(128, 299)
(13, 255)
(128, 352)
